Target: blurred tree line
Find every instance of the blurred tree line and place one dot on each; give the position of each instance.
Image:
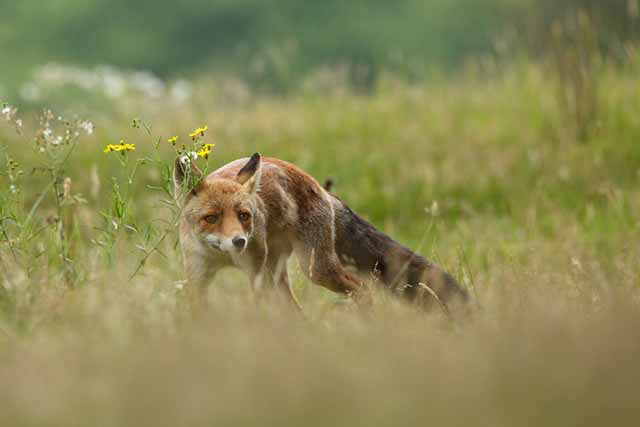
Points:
(275, 41)
(613, 22)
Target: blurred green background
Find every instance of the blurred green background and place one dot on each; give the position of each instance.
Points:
(275, 44)
(499, 138)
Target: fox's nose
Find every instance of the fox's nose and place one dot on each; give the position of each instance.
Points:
(239, 242)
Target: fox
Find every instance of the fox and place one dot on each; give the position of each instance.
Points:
(254, 213)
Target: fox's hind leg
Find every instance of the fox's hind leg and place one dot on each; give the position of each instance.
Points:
(315, 250)
(330, 273)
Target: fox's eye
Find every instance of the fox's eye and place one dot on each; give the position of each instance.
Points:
(244, 216)
(212, 219)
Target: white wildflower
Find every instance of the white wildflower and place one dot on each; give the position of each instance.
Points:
(87, 126)
(7, 112)
(57, 140)
(47, 132)
(434, 209)
(188, 158)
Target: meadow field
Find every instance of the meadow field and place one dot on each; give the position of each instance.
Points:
(496, 172)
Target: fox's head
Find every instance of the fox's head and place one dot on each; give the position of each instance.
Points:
(220, 212)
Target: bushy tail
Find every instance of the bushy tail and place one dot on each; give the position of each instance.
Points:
(360, 244)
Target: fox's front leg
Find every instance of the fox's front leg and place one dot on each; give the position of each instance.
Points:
(269, 272)
(277, 266)
(266, 282)
(254, 262)
(200, 272)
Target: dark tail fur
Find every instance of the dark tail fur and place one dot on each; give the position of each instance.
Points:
(360, 244)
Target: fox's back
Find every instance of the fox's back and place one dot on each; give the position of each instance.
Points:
(289, 194)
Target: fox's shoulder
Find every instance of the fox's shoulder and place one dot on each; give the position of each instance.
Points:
(283, 186)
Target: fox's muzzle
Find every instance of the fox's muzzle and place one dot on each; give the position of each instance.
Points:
(236, 243)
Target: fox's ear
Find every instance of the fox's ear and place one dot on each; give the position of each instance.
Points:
(249, 175)
(186, 175)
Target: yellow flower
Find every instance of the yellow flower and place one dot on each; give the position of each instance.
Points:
(198, 132)
(172, 140)
(205, 150)
(121, 147)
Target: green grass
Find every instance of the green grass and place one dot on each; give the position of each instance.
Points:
(481, 174)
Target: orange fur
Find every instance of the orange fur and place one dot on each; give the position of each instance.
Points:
(254, 213)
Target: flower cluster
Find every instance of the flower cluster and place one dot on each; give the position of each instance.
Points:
(14, 173)
(87, 126)
(198, 133)
(7, 111)
(187, 153)
(197, 149)
(187, 158)
(205, 150)
(121, 147)
(56, 131)
(9, 114)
